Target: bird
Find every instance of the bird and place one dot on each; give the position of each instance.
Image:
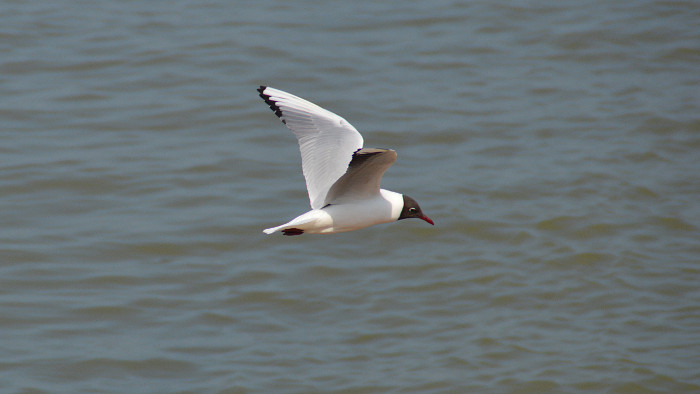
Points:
(342, 178)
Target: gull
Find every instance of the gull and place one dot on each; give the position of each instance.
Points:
(342, 177)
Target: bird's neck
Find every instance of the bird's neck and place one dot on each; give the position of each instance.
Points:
(396, 201)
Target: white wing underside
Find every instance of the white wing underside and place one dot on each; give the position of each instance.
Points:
(326, 141)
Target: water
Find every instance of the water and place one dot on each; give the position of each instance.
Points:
(555, 145)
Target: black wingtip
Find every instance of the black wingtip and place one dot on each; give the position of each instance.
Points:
(272, 104)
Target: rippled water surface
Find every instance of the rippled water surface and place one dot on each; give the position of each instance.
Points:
(555, 144)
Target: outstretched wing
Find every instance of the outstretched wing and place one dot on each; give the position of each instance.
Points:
(363, 176)
(326, 140)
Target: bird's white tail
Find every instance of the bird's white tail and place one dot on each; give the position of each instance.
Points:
(297, 222)
(270, 230)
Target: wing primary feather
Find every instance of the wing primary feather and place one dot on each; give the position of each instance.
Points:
(272, 104)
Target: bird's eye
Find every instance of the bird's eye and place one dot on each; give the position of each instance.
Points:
(412, 210)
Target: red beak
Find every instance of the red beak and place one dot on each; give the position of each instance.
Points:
(427, 219)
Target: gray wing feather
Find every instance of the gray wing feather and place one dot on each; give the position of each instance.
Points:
(363, 177)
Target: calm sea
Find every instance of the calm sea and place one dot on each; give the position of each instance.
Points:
(555, 144)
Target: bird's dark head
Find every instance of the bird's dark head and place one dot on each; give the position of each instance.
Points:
(411, 209)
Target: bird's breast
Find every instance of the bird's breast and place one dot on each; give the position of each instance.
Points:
(364, 213)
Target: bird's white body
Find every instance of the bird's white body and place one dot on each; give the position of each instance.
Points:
(382, 208)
